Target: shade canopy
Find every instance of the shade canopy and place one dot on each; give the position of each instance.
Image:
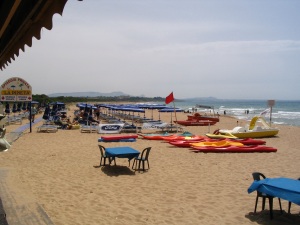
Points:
(152, 106)
(20, 21)
(57, 103)
(131, 109)
(171, 110)
(85, 105)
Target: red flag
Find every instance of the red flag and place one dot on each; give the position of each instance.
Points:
(169, 98)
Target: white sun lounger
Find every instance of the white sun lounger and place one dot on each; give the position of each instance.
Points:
(47, 128)
(94, 127)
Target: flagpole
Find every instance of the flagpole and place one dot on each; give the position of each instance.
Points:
(169, 99)
(175, 112)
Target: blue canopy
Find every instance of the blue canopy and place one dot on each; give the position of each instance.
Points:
(85, 105)
(57, 103)
(152, 106)
(128, 109)
(171, 110)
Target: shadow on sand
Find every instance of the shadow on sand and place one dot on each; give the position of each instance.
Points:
(116, 170)
(279, 218)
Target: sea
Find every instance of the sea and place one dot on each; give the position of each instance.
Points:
(282, 112)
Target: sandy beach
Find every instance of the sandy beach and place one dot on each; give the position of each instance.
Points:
(60, 172)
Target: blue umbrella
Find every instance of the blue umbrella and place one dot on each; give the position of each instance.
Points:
(57, 103)
(46, 113)
(132, 109)
(14, 109)
(19, 105)
(171, 110)
(57, 106)
(85, 105)
(24, 106)
(152, 106)
(7, 109)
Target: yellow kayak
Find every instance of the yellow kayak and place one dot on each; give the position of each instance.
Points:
(223, 143)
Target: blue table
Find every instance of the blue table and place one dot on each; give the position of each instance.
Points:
(122, 152)
(285, 188)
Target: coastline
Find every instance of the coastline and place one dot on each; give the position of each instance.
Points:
(60, 172)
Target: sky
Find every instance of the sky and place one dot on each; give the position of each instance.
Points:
(233, 49)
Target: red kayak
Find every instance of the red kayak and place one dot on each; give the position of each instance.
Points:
(154, 136)
(235, 149)
(182, 144)
(184, 138)
(118, 137)
(197, 116)
(195, 122)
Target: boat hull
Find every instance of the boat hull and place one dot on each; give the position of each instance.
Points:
(195, 117)
(195, 122)
(154, 136)
(182, 144)
(255, 134)
(118, 137)
(189, 143)
(253, 130)
(235, 149)
(183, 138)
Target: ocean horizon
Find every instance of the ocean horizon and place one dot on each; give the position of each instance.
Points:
(284, 112)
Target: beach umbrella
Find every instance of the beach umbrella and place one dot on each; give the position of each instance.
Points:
(57, 103)
(7, 109)
(46, 113)
(171, 110)
(132, 109)
(14, 109)
(24, 106)
(54, 108)
(152, 107)
(19, 106)
(129, 109)
(86, 106)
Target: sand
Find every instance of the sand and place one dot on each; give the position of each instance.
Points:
(60, 173)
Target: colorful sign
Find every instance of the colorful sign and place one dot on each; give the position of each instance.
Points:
(16, 89)
(110, 128)
(271, 103)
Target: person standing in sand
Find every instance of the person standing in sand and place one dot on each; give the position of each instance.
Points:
(33, 112)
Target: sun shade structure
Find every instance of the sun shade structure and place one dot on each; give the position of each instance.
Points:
(20, 21)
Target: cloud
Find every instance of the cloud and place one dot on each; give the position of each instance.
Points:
(231, 47)
(194, 48)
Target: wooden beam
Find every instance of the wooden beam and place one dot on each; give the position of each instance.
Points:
(10, 15)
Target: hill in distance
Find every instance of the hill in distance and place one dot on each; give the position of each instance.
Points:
(119, 93)
(88, 94)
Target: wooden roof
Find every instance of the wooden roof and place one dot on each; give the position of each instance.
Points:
(20, 21)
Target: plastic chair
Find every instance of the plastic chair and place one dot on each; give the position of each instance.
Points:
(257, 176)
(290, 204)
(104, 156)
(142, 159)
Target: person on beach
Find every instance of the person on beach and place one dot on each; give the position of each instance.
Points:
(71, 125)
(33, 113)
(97, 113)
